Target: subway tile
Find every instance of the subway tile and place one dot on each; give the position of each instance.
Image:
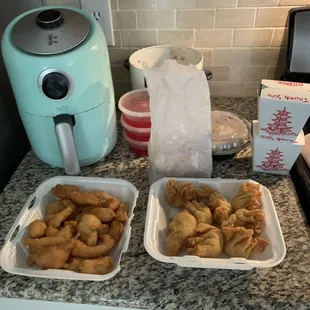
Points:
(117, 38)
(113, 4)
(217, 3)
(136, 4)
(214, 38)
(247, 73)
(124, 20)
(177, 4)
(120, 74)
(73, 3)
(161, 19)
(275, 72)
(178, 37)
(250, 89)
(219, 73)
(222, 89)
(252, 37)
(190, 19)
(231, 56)
(207, 57)
(119, 55)
(138, 37)
(230, 18)
(271, 17)
(255, 3)
(265, 56)
(279, 37)
(294, 2)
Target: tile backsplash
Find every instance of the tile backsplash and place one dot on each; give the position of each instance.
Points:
(242, 40)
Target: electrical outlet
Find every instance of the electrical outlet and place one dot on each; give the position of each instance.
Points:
(101, 11)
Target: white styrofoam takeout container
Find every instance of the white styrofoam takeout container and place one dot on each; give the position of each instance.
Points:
(13, 255)
(159, 214)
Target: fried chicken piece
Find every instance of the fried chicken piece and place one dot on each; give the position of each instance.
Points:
(247, 197)
(179, 193)
(62, 236)
(82, 250)
(37, 229)
(72, 223)
(60, 217)
(116, 230)
(107, 200)
(201, 211)
(64, 191)
(182, 226)
(105, 215)
(103, 229)
(88, 208)
(239, 241)
(122, 213)
(102, 265)
(87, 228)
(74, 264)
(208, 241)
(54, 207)
(250, 219)
(79, 216)
(51, 257)
(221, 208)
(51, 231)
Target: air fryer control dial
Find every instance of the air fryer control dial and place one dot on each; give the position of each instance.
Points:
(49, 19)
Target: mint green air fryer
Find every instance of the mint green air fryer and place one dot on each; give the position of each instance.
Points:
(58, 65)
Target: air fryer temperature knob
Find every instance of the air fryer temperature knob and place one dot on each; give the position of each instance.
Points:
(55, 86)
(49, 19)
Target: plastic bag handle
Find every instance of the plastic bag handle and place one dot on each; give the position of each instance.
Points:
(20, 216)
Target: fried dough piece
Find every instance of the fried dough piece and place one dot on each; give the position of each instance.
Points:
(101, 265)
(250, 219)
(51, 231)
(179, 193)
(108, 200)
(62, 236)
(122, 213)
(37, 229)
(221, 208)
(51, 257)
(82, 250)
(105, 215)
(88, 208)
(72, 223)
(60, 217)
(64, 191)
(103, 229)
(201, 211)
(239, 241)
(182, 226)
(208, 241)
(87, 228)
(247, 197)
(74, 264)
(54, 207)
(116, 230)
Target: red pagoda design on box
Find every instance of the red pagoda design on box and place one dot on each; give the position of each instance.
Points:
(273, 161)
(281, 122)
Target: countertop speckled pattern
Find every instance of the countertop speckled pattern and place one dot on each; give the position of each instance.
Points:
(146, 283)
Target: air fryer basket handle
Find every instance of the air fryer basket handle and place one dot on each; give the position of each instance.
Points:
(64, 134)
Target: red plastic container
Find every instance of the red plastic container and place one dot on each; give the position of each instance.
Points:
(138, 147)
(135, 133)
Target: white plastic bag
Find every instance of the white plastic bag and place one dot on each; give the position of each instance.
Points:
(180, 143)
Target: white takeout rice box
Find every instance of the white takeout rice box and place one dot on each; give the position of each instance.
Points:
(160, 213)
(273, 154)
(283, 108)
(13, 255)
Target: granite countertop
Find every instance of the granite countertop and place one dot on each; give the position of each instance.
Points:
(146, 283)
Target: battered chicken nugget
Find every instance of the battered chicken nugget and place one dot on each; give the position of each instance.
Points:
(49, 257)
(108, 200)
(60, 217)
(178, 193)
(248, 197)
(64, 191)
(201, 211)
(51, 231)
(250, 219)
(122, 213)
(74, 264)
(103, 229)
(101, 265)
(207, 242)
(239, 241)
(182, 226)
(105, 215)
(37, 229)
(54, 207)
(82, 250)
(62, 236)
(116, 230)
(87, 228)
(72, 223)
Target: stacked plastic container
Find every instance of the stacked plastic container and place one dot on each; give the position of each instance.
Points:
(136, 120)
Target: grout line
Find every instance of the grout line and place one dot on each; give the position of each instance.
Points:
(255, 15)
(117, 5)
(273, 33)
(157, 38)
(121, 38)
(137, 24)
(175, 19)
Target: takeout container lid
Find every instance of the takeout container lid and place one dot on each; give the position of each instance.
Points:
(132, 128)
(159, 214)
(13, 255)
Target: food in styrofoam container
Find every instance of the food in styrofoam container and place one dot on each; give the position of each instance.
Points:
(159, 214)
(14, 254)
(273, 154)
